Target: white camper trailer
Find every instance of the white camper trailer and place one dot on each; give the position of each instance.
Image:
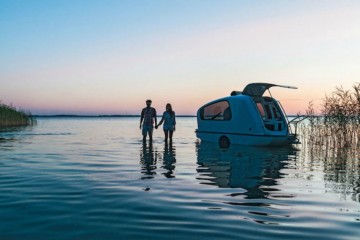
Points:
(245, 118)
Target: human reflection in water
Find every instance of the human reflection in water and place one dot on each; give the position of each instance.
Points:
(253, 169)
(169, 160)
(148, 159)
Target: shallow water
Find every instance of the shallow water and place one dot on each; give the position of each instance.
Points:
(93, 178)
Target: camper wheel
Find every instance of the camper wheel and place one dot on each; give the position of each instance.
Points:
(224, 142)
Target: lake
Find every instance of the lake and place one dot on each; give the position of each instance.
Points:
(93, 178)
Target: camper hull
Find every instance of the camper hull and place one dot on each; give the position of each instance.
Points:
(247, 139)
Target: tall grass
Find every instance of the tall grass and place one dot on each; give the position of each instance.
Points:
(11, 117)
(338, 125)
(333, 140)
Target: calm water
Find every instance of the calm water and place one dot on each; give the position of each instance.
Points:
(93, 178)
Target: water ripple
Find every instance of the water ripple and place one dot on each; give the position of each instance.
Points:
(95, 179)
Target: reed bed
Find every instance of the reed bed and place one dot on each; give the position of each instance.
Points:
(332, 140)
(11, 117)
(338, 125)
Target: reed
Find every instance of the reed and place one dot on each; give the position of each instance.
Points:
(332, 140)
(338, 125)
(11, 117)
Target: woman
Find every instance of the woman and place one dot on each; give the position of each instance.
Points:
(168, 118)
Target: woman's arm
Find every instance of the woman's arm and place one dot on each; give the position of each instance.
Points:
(174, 120)
(161, 121)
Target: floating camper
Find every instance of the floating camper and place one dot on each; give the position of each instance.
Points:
(245, 118)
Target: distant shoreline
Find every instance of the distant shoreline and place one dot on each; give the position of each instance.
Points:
(108, 116)
(97, 116)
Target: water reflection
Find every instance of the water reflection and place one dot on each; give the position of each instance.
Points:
(10, 135)
(341, 167)
(150, 157)
(169, 160)
(253, 169)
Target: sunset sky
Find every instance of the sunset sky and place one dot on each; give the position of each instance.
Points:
(109, 56)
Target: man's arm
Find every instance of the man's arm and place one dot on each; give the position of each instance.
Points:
(142, 117)
(155, 117)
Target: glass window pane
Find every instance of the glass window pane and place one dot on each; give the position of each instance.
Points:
(216, 111)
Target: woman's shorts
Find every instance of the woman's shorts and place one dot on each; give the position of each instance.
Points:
(168, 128)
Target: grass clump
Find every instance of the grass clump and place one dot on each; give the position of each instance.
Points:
(11, 117)
(338, 125)
(332, 138)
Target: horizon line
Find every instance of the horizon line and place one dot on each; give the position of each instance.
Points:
(100, 115)
(116, 115)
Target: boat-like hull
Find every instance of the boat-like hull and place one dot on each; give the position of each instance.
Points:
(246, 139)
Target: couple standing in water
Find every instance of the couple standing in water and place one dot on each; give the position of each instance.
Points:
(148, 118)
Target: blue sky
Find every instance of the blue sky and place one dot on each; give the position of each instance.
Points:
(108, 57)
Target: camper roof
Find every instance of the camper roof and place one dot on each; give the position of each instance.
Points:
(258, 89)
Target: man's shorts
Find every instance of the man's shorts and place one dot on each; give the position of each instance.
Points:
(147, 129)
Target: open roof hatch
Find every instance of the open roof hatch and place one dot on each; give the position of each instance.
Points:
(258, 89)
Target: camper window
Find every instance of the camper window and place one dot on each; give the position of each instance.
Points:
(219, 111)
(261, 110)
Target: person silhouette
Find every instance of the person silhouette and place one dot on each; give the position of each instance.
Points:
(147, 119)
(169, 120)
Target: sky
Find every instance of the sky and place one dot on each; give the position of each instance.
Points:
(108, 56)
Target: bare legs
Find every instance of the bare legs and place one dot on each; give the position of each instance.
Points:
(168, 134)
(147, 132)
(150, 137)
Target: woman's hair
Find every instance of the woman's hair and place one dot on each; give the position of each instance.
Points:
(169, 105)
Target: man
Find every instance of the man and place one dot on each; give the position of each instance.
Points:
(148, 114)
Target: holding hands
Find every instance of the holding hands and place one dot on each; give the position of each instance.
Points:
(156, 127)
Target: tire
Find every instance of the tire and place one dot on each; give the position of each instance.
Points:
(224, 142)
